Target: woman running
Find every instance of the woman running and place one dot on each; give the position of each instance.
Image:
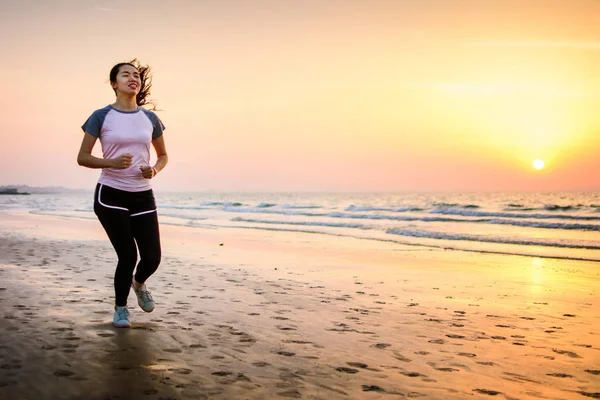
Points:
(123, 199)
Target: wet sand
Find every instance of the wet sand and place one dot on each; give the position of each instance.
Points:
(245, 314)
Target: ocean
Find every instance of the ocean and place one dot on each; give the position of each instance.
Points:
(557, 225)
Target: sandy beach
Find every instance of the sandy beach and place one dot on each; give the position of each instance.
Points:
(246, 314)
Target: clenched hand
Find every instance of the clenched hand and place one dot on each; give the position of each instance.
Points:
(123, 161)
(148, 172)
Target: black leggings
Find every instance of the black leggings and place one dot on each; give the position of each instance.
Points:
(129, 218)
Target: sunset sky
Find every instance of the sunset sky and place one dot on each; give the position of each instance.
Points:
(314, 95)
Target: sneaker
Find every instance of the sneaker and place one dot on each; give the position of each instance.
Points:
(144, 298)
(122, 317)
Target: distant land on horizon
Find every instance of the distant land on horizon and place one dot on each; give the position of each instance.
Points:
(40, 189)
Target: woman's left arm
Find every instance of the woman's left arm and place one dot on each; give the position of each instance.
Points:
(161, 153)
(161, 161)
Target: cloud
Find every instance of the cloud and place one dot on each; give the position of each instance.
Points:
(565, 45)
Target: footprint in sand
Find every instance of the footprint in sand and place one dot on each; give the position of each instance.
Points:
(357, 364)
(260, 364)
(452, 336)
(372, 388)
(592, 395)
(182, 371)
(63, 373)
(62, 329)
(172, 350)
(297, 341)
(400, 357)
(560, 375)
(381, 345)
(286, 353)
(285, 328)
(437, 341)
(488, 392)
(10, 367)
(568, 353)
(593, 371)
(222, 373)
(347, 370)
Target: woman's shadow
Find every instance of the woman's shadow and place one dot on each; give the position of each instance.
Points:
(132, 363)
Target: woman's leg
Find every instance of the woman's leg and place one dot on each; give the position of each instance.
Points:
(147, 235)
(116, 223)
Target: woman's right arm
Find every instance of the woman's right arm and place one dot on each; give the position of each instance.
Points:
(86, 159)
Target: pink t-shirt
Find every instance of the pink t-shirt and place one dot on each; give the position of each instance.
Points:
(123, 132)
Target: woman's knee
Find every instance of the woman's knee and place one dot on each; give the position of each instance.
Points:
(151, 259)
(127, 258)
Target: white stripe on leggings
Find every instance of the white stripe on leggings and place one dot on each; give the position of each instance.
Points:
(105, 205)
(143, 212)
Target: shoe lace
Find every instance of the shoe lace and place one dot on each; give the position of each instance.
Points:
(123, 313)
(145, 295)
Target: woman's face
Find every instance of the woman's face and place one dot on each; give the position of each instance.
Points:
(128, 80)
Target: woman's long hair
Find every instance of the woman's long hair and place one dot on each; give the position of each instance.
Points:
(142, 98)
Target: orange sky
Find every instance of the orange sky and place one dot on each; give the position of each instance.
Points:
(398, 95)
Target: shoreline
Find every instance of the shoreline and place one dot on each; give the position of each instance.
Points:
(445, 245)
(274, 314)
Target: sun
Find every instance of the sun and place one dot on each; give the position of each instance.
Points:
(538, 164)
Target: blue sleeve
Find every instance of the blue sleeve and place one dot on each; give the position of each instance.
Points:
(157, 126)
(93, 125)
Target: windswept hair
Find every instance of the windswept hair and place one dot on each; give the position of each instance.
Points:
(142, 98)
